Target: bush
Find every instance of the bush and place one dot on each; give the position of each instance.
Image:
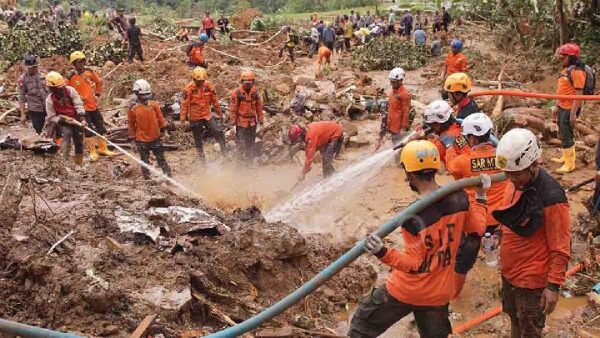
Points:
(388, 53)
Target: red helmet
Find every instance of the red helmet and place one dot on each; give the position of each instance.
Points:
(569, 49)
(294, 133)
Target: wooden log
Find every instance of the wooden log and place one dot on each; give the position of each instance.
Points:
(6, 113)
(9, 202)
(143, 327)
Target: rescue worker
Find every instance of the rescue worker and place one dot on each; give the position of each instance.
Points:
(89, 86)
(422, 273)
(134, 34)
(457, 86)
(197, 98)
(396, 119)
(323, 61)
(471, 155)
(289, 44)
(456, 62)
(535, 234)
(246, 114)
(146, 123)
(119, 22)
(32, 94)
(195, 52)
(440, 127)
(571, 82)
(65, 109)
(327, 137)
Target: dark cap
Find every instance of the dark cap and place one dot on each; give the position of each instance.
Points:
(30, 60)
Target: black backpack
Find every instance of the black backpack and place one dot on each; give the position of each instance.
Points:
(590, 78)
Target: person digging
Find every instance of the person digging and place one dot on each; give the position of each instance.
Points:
(327, 137)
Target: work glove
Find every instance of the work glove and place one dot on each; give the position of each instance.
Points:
(483, 187)
(374, 245)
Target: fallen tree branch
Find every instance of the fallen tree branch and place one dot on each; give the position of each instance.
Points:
(225, 54)
(260, 43)
(72, 232)
(220, 315)
(167, 49)
(5, 114)
(500, 103)
(112, 71)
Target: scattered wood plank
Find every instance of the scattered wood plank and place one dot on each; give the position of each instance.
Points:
(6, 113)
(220, 315)
(143, 327)
(9, 201)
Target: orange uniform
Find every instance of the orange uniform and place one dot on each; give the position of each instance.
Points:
(88, 84)
(197, 101)
(318, 136)
(534, 262)
(196, 54)
(145, 121)
(246, 108)
(423, 272)
(324, 55)
(565, 87)
(398, 110)
(456, 63)
(446, 139)
(480, 159)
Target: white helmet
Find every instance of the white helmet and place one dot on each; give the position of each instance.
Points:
(438, 112)
(477, 124)
(142, 87)
(397, 74)
(518, 149)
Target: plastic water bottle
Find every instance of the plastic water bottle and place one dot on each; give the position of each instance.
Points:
(490, 250)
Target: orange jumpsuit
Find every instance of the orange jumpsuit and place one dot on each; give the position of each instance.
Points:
(456, 63)
(145, 121)
(473, 161)
(197, 101)
(246, 109)
(397, 117)
(88, 84)
(423, 272)
(541, 259)
(318, 136)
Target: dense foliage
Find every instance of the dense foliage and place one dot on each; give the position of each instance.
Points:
(388, 53)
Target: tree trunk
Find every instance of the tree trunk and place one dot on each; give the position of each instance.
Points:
(562, 22)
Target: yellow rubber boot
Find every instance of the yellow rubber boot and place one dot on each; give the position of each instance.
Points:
(78, 159)
(103, 147)
(90, 145)
(570, 158)
(559, 160)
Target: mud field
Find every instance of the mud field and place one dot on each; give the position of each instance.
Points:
(94, 250)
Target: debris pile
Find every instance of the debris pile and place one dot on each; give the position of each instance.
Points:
(206, 269)
(114, 51)
(388, 53)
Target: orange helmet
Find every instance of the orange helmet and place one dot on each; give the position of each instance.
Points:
(248, 75)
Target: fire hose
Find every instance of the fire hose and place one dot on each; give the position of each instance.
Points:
(535, 95)
(22, 330)
(349, 257)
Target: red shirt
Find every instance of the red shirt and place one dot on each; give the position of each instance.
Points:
(208, 23)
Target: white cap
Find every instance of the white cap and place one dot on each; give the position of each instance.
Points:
(142, 87)
(518, 149)
(438, 111)
(477, 124)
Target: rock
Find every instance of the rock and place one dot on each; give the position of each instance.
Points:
(108, 65)
(99, 300)
(309, 115)
(350, 129)
(304, 81)
(327, 115)
(283, 89)
(590, 140)
(358, 142)
(109, 330)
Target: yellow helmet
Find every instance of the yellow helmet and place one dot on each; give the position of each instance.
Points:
(458, 82)
(420, 155)
(200, 74)
(54, 79)
(78, 55)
